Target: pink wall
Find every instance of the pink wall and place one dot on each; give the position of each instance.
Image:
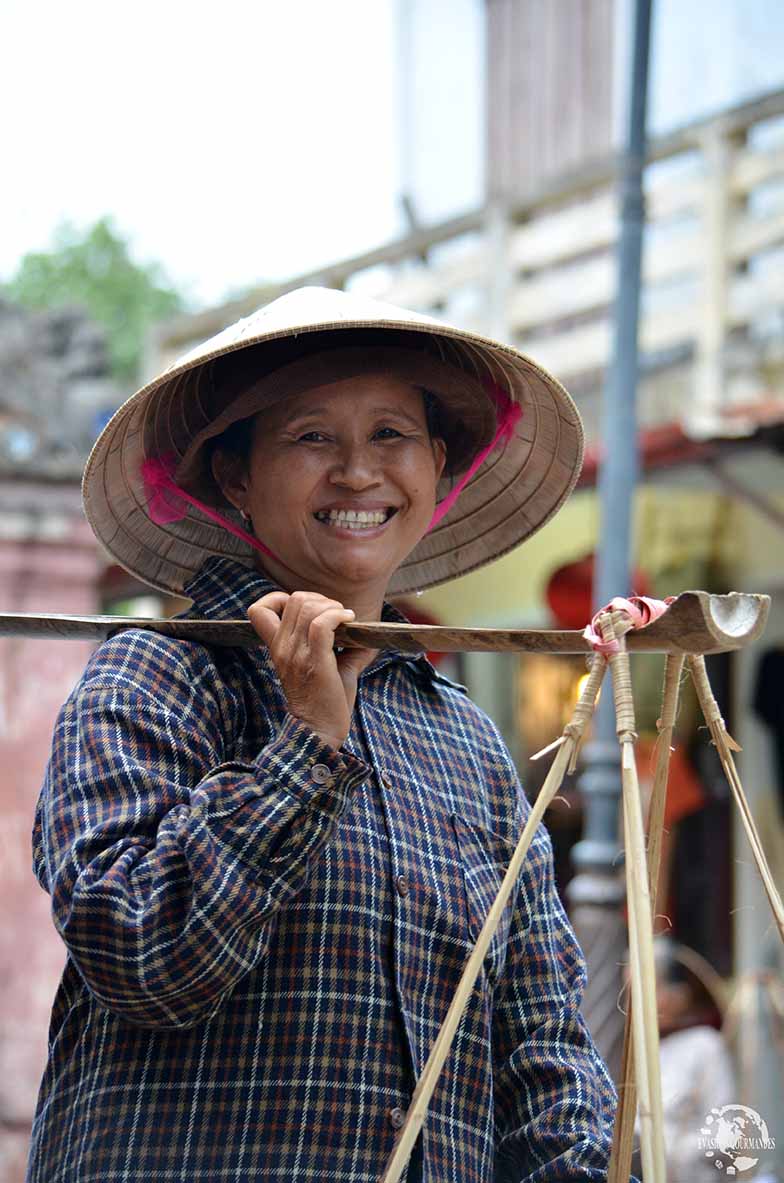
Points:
(35, 678)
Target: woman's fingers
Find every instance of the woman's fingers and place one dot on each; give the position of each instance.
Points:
(265, 615)
(299, 629)
(300, 614)
(281, 617)
(322, 625)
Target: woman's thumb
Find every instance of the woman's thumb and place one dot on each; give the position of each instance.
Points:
(354, 661)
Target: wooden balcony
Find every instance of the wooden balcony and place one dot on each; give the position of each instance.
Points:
(542, 275)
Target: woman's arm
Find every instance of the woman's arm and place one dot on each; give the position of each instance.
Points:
(165, 862)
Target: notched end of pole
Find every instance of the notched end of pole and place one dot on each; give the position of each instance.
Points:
(699, 622)
(738, 615)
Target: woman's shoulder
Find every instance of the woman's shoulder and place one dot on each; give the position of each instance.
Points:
(143, 662)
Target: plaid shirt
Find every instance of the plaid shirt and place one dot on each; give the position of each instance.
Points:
(264, 934)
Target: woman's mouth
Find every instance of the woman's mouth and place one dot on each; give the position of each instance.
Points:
(369, 522)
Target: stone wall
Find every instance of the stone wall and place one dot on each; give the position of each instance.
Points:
(55, 391)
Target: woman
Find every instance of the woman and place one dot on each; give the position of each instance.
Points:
(269, 865)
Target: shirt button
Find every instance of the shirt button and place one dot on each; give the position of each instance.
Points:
(320, 773)
(397, 1118)
(401, 883)
(386, 780)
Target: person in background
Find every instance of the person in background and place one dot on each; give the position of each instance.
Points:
(697, 1073)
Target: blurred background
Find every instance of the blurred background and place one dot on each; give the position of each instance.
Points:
(170, 167)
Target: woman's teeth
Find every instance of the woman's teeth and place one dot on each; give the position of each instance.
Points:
(353, 519)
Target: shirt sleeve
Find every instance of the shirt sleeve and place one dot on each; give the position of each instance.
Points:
(166, 863)
(555, 1101)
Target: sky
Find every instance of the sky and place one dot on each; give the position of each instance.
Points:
(240, 141)
(234, 141)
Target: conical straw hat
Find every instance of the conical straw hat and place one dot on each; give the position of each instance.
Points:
(518, 487)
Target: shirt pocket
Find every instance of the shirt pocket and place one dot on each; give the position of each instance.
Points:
(484, 858)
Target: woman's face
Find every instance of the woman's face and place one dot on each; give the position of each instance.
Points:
(358, 445)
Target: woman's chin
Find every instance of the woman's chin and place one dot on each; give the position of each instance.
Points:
(361, 572)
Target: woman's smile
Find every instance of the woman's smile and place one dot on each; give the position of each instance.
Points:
(354, 524)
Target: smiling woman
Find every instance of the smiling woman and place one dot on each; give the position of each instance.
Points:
(269, 866)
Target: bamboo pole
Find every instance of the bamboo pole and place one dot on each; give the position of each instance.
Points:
(643, 974)
(623, 1130)
(426, 1084)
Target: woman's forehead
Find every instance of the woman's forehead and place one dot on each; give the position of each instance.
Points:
(370, 393)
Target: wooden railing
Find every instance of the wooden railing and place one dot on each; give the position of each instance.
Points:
(542, 274)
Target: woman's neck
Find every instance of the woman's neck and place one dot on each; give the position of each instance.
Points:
(366, 602)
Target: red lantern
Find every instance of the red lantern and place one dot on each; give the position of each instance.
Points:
(569, 592)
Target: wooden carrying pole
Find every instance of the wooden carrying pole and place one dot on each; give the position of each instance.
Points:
(695, 622)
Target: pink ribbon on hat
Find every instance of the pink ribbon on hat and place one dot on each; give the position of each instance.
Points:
(165, 497)
(509, 412)
(641, 610)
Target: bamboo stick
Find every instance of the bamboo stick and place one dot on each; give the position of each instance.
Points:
(623, 1130)
(642, 969)
(643, 978)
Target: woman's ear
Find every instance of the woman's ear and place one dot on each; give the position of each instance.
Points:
(231, 477)
(439, 455)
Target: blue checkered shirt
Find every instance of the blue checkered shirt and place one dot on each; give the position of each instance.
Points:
(264, 934)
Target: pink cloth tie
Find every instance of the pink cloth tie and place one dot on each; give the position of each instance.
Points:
(641, 610)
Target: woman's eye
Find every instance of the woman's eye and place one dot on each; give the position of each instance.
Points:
(318, 433)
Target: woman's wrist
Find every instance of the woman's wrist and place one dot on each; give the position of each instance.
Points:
(335, 744)
(333, 741)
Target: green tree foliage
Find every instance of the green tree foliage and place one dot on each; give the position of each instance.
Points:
(93, 268)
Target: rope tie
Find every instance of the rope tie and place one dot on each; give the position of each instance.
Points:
(638, 610)
(710, 708)
(605, 635)
(581, 716)
(665, 724)
(673, 668)
(609, 623)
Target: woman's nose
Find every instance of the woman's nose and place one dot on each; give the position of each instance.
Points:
(356, 465)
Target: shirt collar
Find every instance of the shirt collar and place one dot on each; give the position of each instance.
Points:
(224, 589)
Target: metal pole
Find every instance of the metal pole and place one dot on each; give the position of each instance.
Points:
(596, 892)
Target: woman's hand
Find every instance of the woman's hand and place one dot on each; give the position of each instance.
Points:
(320, 685)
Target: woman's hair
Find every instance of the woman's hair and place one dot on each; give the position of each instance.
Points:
(237, 438)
